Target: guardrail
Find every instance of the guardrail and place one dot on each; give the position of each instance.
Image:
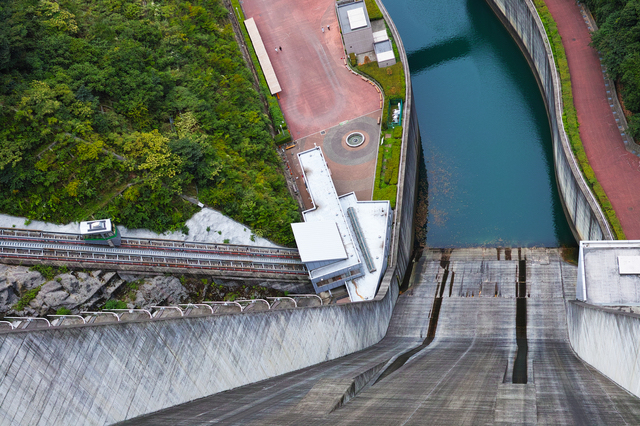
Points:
(157, 312)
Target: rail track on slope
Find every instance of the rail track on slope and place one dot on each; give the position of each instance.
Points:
(32, 246)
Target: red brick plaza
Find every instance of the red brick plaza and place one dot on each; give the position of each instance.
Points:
(318, 92)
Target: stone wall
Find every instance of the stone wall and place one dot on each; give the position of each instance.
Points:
(101, 374)
(608, 340)
(583, 212)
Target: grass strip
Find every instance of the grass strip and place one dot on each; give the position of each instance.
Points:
(570, 118)
(392, 81)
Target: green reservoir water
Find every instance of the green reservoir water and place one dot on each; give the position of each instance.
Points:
(484, 128)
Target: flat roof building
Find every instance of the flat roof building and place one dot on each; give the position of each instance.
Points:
(609, 273)
(363, 36)
(342, 241)
(356, 27)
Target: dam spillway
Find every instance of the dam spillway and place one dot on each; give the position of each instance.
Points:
(463, 376)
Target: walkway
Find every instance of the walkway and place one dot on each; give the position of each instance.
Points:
(318, 92)
(464, 376)
(617, 170)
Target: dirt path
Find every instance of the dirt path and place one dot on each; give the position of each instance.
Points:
(617, 170)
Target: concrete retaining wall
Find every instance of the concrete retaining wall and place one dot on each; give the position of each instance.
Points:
(101, 374)
(96, 375)
(608, 340)
(583, 212)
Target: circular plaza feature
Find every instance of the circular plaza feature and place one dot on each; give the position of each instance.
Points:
(355, 139)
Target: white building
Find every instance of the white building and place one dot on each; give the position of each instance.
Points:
(342, 241)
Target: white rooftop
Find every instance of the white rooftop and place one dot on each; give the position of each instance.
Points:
(379, 36)
(263, 57)
(95, 226)
(357, 18)
(609, 273)
(374, 219)
(326, 206)
(318, 241)
(385, 56)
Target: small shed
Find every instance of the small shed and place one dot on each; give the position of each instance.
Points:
(355, 26)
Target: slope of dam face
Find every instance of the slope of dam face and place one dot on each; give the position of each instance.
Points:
(465, 375)
(484, 128)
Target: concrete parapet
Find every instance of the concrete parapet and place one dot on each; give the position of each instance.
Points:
(583, 211)
(608, 340)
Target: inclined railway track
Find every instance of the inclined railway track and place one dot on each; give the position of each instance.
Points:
(63, 247)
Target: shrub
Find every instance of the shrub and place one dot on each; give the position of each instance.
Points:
(283, 137)
(48, 272)
(115, 304)
(397, 132)
(26, 299)
(387, 193)
(63, 311)
(353, 59)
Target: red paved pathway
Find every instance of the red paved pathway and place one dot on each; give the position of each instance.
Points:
(617, 170)
(318, 92)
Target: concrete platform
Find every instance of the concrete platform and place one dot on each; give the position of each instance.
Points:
(352, 169)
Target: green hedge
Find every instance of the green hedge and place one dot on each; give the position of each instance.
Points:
(283, 137)
(373, 10)
(570, 118)
(386, 183)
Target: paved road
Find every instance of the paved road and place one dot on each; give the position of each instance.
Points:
(464, 376)
(617, 170)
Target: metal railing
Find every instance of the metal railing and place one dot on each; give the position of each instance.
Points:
(183, 310)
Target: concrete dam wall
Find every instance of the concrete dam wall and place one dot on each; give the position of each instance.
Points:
(102, 374)
(585, 215)
(96, 375)
(608, 340)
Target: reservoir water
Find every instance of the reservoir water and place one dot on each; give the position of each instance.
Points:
(484, 128)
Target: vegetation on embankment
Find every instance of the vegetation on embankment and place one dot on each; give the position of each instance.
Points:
(618, 40)
(387, 168)
(570, 117)
(114, 109)
(392, 81)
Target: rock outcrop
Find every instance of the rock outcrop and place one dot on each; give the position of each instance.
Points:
(83, 291)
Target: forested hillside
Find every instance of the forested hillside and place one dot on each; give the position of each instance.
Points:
(618, 38)
(113, 108)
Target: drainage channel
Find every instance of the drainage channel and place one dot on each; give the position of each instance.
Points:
(520, 363)
(433, 320)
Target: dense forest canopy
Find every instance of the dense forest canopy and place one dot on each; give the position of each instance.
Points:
(618, 38)
(113, 108)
